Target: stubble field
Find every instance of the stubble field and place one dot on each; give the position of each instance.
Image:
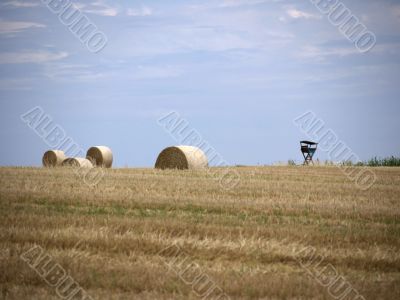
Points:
(249, 241)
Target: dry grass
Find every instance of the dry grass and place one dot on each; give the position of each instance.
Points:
(245, 239)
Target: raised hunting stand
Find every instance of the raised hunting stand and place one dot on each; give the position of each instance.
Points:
(308, 149)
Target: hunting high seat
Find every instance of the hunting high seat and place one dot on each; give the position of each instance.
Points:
(308, 150)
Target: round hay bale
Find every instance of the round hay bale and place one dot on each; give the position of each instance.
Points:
(53, 158)
(181, 157)
(77, 162)
(100, 156)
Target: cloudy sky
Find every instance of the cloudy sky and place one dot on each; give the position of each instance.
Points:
(239, 71)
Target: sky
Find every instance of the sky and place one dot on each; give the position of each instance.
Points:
(238, 71)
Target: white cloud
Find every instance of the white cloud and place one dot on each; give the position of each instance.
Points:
(14, 27)
(95, 7)
(226, 4)
(313, 52)
(73, 72)
(17, 3)
(214, 30)
(30, 57)
(98, 8)
(298, 14)
(233, 3)
(142, 12)
(82, 72)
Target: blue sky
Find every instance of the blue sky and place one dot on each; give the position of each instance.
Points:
(239, 71)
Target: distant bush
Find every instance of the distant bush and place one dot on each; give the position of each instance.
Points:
(384, 162)
(375, 162)
(347, 163)
(291, 162)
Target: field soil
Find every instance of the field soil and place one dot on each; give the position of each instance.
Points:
(281, 233)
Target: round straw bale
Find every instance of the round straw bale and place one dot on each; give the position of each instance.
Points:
(79, 162)
(53, 158)
(100, 156)
(181, 157)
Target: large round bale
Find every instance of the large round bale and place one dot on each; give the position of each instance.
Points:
(77, 162)
(181, 157)
(53, 158)
(100, 156)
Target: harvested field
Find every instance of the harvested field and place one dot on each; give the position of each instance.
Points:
(109, 237)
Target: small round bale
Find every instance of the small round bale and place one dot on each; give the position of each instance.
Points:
(53, 158)
(100, 156)
(181, 157)
(77, 162)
